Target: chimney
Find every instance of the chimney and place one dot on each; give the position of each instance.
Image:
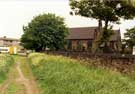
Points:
(5, 37)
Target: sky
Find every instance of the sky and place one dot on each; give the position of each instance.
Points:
(16, 13)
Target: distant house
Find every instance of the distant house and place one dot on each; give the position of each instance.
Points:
(6, 42)
(9, 45)
(82, 38)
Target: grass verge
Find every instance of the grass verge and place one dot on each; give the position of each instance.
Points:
(62, 75)
(6, 61)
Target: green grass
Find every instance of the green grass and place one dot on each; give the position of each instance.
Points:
(2, 78)
(5, 62)
(13, 88)
(25, 67)
(61, 75)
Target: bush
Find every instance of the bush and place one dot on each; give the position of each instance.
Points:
(62, 75)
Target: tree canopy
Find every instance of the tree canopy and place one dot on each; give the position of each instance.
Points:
(44, 31)
(105, 10)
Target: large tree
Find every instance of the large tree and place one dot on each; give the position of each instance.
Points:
(44, 31)
(107, 11)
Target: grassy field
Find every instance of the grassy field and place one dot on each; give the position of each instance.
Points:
(61, 75)
(5, 62)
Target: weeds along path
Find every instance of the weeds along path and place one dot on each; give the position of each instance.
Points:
(20, 79)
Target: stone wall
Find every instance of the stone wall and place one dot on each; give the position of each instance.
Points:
(117, 62)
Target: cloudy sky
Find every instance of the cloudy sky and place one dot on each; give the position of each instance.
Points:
(16, 13)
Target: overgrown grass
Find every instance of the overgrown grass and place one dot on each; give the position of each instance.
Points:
(62, 75)
(5, 62)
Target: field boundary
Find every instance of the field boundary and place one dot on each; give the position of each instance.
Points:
(119, 62)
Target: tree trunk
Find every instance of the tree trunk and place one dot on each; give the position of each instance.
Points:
(105, 30)
(129, 1)
(95, 45)
(97, 42)
(100, 25)
(106, 25)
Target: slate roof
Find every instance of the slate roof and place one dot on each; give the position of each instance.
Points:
(81, 33)
(5, 38)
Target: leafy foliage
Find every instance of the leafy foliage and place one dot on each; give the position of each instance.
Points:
(106, 35)
(44, 31)
(62, 75)
(106, 10)
(130, 37)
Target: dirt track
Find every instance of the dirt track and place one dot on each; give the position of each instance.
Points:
(28, 85)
